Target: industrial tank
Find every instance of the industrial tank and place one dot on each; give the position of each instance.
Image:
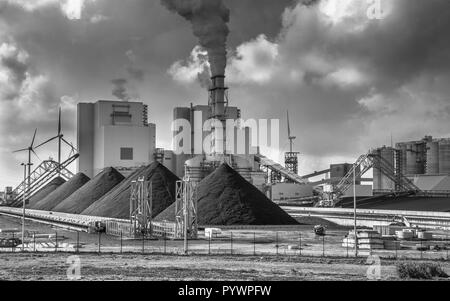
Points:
(415, 158)
(444, 156)
(380, 180)
(432, 158)
(401, 147)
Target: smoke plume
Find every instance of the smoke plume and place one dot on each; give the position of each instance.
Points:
(209, 20)
(120, 89)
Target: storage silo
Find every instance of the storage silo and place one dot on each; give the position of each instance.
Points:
(415, 158)
(380, 180)
(432, 158)
(401, 148)
(444, 156)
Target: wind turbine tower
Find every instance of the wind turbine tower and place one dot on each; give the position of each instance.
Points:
(291, 157)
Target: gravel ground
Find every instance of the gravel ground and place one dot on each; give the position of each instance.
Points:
(290, 264)
(175, 268)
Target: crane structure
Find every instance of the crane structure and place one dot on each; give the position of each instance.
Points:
(364, 164)
(291, 157)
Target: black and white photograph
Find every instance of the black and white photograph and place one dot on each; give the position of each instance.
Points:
(224, 146)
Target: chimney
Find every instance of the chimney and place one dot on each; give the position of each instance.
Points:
(217, 99)
(218, 102)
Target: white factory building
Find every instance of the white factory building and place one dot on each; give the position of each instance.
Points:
(114, 134)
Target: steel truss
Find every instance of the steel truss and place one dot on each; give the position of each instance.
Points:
(141, 204)
(186, 210)
(40, 176)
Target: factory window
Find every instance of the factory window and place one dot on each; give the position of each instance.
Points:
(126, 153)
(121, 114)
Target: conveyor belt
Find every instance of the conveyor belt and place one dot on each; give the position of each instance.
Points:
(272, 165)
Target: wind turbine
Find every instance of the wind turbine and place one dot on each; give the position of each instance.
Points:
(30, 150)
(60, 137)
(291, 138)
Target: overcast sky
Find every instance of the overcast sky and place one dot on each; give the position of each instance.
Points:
(348, 80)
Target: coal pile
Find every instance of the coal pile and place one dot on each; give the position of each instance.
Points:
(45, 191)
(90, 192)
(225, 198)
(116, 204)
(63, 192)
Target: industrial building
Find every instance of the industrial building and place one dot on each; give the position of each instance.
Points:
(425, 162)
(114, 134)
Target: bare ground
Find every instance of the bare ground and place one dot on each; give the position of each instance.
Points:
(175, 268)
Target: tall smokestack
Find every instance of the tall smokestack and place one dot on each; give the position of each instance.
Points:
(209, 19)
(217, 99)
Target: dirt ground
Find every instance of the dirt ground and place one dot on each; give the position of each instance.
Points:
(240, 253)
(174, 268)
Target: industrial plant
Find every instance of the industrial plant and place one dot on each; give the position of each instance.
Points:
(216, 189)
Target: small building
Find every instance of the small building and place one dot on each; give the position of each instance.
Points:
(285, 192)
(114, 134)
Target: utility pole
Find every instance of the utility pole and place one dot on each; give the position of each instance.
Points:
(24, 199)
(354, 207)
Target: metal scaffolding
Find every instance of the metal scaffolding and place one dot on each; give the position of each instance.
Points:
(291, 162)
(141, 203)
(186, 210)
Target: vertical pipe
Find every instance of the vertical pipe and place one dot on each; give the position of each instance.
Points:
(165, 242)
(121, 242)
(99, 242)
(300, 244)
(13, 243)
(231, 240)
(354, 207)
(24, 199)
(323, 246)
(446, 245)
(34, 242)
(209, 243)
(421, 249)
(56, 242)
(276, 239)
(78, 242)
(185, 211)
(347, 245)
(143, 245)
(254, 243)
(396, 253)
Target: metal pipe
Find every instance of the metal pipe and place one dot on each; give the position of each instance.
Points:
(24, 201)
(354, 207)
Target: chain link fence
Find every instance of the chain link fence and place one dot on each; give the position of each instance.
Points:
(230, 243)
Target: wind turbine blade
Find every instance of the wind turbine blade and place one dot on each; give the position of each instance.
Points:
(36, 155)
(59, 122)
(289, 125)
(69, 144)
(49, 140)
(20, 150)
(34, 138)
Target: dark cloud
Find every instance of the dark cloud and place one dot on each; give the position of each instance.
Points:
(209, 20)
(348, 84)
